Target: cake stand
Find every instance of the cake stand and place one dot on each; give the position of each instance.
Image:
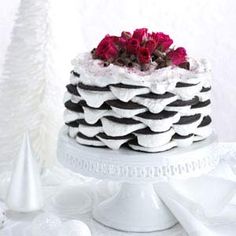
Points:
(136, 207)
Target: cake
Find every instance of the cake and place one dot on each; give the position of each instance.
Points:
(138, 91)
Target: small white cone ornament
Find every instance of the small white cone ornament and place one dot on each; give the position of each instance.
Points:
(25, 190)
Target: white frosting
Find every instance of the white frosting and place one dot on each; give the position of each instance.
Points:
(159, 125)
(187, 93)
(154, 149)
(185, 142)
(73, 131)
(125, 95)
(203, 96)
(154, 105)
(72, 116)
(128, 113)
(96, 143)
(95, 98)
(67, 97)
(71, 97)
(93, 115)
(115, 129)
(90, 131)
(74, 79)
(75, 98)
(204, 131)
(180, 109)
(197, 138)
(204, 111)
(113, 144)
(155, 140)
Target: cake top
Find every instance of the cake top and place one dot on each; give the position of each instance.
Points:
(92, 72)
(140, 49)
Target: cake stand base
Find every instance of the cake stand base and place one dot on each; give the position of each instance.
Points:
(135, 208)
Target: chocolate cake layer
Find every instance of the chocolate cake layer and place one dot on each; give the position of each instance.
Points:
(157, 96)
(180, 103)
(188, 119)
(182, 85)
(124, 105)
(73, 106)
(148, 131)
(127, 121)
(92, 88)
(75, 73)
(205, 89)
(177, 136)
(73, 124)
(104, 136)
(86, 137)
(201, 104)
(205, 121)
(72, 89)
(126, 86)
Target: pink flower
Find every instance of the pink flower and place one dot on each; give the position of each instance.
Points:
(107, 49)
(140, 34)
(177, 56)
(144, 56)
(151, 45)
(132, 46)
(163, 40)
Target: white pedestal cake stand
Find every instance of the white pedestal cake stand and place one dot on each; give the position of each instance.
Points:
(136, 208)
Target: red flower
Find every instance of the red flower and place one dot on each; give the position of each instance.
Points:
(152, 36)
(163, 40)
(144, 56)
(140, 34)
(140, 47)
(177, 56)
(132, 46)
(106, 49)
(122, 42)
(151, 45)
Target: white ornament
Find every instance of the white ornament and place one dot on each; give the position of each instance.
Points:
(25, 190)
(29, 84)
(3, 217)
(74, 228)
(45, 224)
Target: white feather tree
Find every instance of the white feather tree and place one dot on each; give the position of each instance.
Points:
(30, 93)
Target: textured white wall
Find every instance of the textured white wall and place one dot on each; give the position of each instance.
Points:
(204, 28)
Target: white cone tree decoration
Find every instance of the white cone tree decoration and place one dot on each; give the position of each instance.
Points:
(30, 95)
(25, 190)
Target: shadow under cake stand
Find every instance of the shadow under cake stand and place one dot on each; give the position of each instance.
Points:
(136, 207)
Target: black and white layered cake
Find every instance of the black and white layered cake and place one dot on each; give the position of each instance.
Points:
(137, 91)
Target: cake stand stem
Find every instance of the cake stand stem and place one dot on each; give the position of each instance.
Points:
(135, 208)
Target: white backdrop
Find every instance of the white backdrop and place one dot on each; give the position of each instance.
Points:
(204, 28)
